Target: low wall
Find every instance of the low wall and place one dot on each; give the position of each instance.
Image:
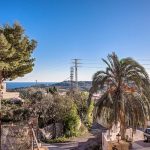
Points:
(110, 137)
(8, 95)
(15, 138)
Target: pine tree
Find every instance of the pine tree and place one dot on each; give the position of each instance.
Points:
(15, 52)
(15, 55)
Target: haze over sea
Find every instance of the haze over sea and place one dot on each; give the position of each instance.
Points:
(13, 85)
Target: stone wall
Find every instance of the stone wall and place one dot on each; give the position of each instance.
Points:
(9, 95)
(15, 138)
(48, 132)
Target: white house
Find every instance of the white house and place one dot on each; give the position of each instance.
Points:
(8, 95)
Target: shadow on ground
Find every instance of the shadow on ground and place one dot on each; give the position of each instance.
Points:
(93, 143)
(90, 141)
(142, 143)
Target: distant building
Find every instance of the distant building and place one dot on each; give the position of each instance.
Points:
(8, 95)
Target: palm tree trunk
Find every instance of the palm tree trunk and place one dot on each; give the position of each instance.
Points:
(121, 113)
(122, 125)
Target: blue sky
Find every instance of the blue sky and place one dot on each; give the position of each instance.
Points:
(85, 29)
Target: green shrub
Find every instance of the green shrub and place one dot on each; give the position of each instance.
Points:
(6, 117)
(89, 119)
(72, 122)
(21, 114)
(57, 140)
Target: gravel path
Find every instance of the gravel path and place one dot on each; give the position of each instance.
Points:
(85, 142)
(79, 143)
(93, 138)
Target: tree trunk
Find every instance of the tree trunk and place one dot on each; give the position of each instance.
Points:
(54, 130)
(122, 114)
(122, 125)
(89, 99)
(1, 96)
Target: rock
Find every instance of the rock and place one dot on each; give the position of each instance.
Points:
(48, 132)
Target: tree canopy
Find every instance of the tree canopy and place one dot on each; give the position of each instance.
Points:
(125, 90)
(15, 52)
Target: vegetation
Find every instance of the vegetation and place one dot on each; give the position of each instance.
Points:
(50, 108)
(80, 99)
(57, 140)
(14, 112)
(32, 95)
(52, 90)
(89, 116)
(15, 52)
(125, 86)
(72, 122)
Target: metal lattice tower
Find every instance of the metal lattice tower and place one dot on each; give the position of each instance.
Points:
(71, 77)
(76, 63)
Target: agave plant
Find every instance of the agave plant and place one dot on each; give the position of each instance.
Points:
(125, 91)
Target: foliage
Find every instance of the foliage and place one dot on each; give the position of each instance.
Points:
(49, 109)
(15, 52)
(125, 87)
(89, 118)
(14, 112)
(53, 109)
(80, 99)
(52, 90)
(72, 122)
(85, 112)
(32, 94)
(57, 140)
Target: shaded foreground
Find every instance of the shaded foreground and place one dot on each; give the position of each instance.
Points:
(91, 141)
(141, 145)
(86, 142)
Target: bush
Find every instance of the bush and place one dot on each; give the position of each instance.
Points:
(72, 122)
(57, 140)
(89, 119)
(14, 113)
(6, 117)
(32, 94)
(21, 114)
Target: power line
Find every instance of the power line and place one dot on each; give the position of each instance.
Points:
(93, 64)
(93, 67)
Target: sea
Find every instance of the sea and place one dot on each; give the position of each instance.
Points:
(14, 85)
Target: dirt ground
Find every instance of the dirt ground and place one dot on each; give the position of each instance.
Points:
(86, 142)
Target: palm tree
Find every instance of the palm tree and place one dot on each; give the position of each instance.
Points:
(125, 91)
